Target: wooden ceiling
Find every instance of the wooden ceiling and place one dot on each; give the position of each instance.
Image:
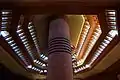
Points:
(75, 18)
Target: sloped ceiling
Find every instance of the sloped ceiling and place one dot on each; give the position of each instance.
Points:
(107, 61)
(75, 23)
(14, 67)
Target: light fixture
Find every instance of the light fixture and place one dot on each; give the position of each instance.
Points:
(6, 20)
(24, 40)
(33, 35)
(84, 33)
(113, 33)
(43, 65)
(82, 68)
(5, 12)
(13, 45)
(45, 71)
(96, 34)
(104, 44)
(46, 58)
(35, 60)
(29, 66)
(33, 68)
(5, 33)
(111, 18)
(39, 63)
(41, 71)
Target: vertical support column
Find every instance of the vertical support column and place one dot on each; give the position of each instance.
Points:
(60, 61)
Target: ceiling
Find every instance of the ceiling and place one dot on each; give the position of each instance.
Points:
(106, 62)
(76, 24)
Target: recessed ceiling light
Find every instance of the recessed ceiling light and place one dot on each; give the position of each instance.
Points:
(35, 60)
(4, 33)
(29, 66)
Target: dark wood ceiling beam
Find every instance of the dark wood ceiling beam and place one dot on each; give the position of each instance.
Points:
(118, 21)
(15, 22)
(59, 7)
(5, 45)
(110, 46)
(27, 19)
(13, 29)
(105, 30)
(28, 36)
(88, 38)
